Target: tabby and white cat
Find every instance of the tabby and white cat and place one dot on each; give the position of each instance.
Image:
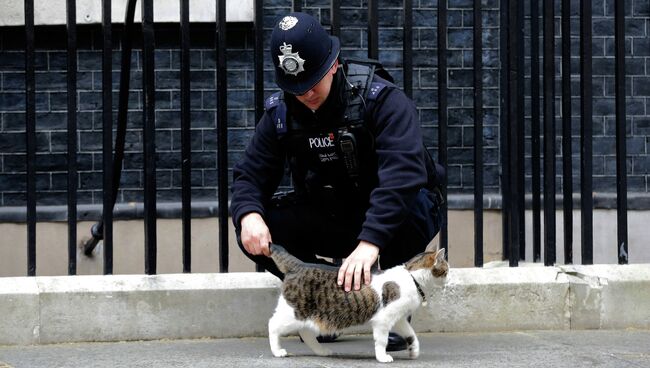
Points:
(312, 302)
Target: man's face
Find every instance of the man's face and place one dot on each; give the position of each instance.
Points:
(315, 97)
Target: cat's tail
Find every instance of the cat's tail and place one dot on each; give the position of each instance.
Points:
(283, 259)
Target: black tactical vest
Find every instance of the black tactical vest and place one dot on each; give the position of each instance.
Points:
(337, 155)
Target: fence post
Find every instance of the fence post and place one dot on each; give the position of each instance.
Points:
(258, 60)
(549, 133)
(535, 129)
(407, 48)
(107, 134)
(373, 29)
(335, 13)
(586, 159)
(186, 123)
(478, 134)
(567, 166)
(71, 30)
(621, 151)
(30, 133)
(222, 135)
(516, 131)
(504, 128)
(149, 92)
(442, 110)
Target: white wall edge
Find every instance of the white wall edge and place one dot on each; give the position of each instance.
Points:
(53, 12)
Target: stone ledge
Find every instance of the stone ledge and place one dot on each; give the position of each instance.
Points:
(138, 307)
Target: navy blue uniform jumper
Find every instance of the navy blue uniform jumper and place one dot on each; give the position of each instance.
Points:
(389, 205)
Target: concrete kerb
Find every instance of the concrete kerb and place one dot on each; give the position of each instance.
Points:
(19, 311)
(609, 297)
(137, 307)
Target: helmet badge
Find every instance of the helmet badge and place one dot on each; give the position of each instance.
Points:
(290, 62)
(288, 22)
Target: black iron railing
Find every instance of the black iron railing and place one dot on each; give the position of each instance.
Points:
(586, 133)
(30, 133)
(512, 124)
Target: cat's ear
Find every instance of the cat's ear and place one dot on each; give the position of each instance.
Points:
(424, 260)
(440, 255)
(432, 247)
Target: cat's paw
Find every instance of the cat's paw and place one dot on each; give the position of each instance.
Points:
(414, 352)
(281, 353)
(385, 358)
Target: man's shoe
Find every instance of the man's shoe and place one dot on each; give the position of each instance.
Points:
(324, 339)
(395, 342)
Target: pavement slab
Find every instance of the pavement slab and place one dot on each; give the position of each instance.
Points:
(526, 349)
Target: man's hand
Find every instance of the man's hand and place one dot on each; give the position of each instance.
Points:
(358, 263)
(255, 235)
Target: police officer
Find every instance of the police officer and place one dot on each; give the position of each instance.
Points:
(365, 189)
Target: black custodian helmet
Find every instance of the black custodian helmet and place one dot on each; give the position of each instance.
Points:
(302, 52)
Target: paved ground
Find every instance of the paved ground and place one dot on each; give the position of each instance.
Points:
(485, 350)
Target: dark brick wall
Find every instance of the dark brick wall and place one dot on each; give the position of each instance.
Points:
(52, 94)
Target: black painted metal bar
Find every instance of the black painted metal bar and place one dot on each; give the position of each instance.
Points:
(335, 12)
(520, 216)
(442, 109)
(123, 103)
(107, 134)
(407, 49)
(535, 130)
(149, 137)
(71, 28)
(30, 135)
(621, 151)
(549, 133)
(186, 123)
(567, 167)
(478, 134)
(222, 135)
(504, 127)
(373, 29)
(515, 111)
(296, 5)
(586, 134)
(258, 57)
(97, 230)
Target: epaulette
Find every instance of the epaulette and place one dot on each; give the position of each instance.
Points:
(272, 101)
(277, 109)
(375, 90)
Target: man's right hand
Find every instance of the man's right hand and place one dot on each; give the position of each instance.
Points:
(255, 235)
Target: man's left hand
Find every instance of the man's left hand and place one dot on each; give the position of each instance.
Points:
(357, 265)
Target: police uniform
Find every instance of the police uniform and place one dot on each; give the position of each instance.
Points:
(364, 177)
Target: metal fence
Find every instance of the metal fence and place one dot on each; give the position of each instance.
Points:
(512, 124)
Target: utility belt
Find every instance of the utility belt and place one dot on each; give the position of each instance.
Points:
(329, 200)
(285, 199)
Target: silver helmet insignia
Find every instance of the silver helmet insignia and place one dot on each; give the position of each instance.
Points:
(290, 62)
(288, 22)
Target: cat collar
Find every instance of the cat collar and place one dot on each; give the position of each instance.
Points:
(420, 291)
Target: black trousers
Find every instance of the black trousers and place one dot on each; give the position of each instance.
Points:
(310, 228)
